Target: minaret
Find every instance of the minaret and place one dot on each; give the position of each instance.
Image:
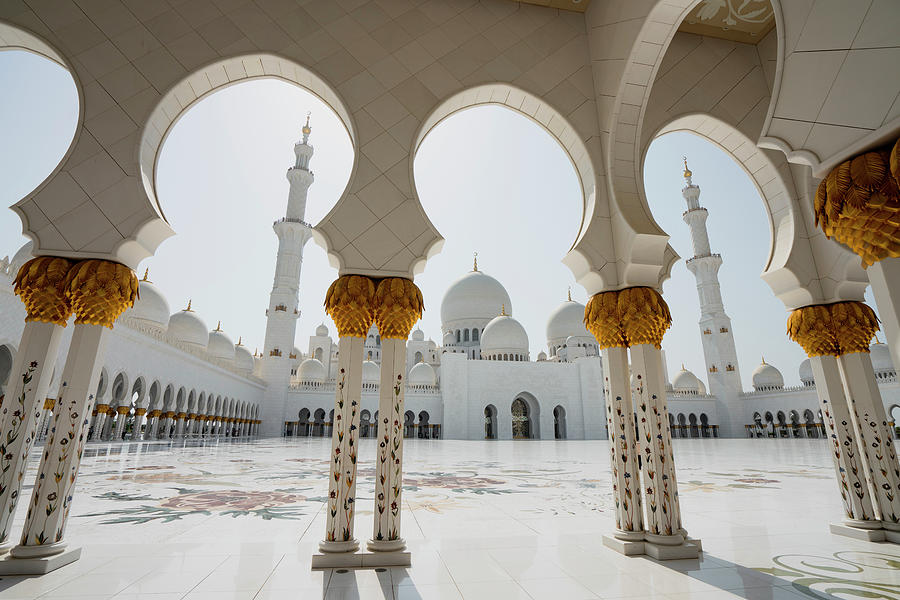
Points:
(715, 325)
(281, 324)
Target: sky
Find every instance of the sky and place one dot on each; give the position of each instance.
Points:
(491, 180)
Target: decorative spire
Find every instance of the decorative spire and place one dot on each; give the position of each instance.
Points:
(306, 129)
(218, 326)
(687, 172)
(146, 273)
(188, 309)
(475, 262)
(256, 353)
(503, 310)
(570, 293)
(240, 339)
(763, 360)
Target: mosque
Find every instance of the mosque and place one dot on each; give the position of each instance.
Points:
(250, 473)
(479, 383)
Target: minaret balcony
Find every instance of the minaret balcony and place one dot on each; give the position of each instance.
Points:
(291, 220)
(698, 258)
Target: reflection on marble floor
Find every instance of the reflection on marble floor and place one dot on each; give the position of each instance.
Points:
(483, 519)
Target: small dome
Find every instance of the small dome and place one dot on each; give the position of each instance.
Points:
(806, 374)
(504, 335)
(150, 306)
(449, 338)
(22, 256)
(881, 358)
(767, 377)
(474, 296)
(311, 370)
(418, 335)
(371, 372)
(701, 387)
(421, 374)
(542, 356)
(220, 345)
(566, 320)
(185, 326)
(243, 360)
(685, 381)
(322, 330)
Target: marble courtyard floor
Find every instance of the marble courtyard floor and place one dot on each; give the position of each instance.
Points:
(239, 520)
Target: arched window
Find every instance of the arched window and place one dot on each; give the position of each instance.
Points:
(458, 336)
(474, 335)
(318, 354)
(490, 422)
(559, 423)
(418, 358)
(465, 335)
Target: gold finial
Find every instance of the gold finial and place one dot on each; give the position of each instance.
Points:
(240, 339)
(188, 309)
(570, 293)
(877, 341)
(256, 353)
(146, 274)
(475, 262)
(682, 367)
(218, 326)
(687, 172)
(763, 360)
(306, 128)
(503, 310)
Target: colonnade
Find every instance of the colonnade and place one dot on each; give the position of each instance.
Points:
(354, 303)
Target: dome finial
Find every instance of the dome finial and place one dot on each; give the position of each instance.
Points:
(682, 367)
(503, 310)
(687, 172)
(240, 339)
(218, 326)
(474, 261)
(570, 293)
(763, 360)
(146, 274)
(188, 309)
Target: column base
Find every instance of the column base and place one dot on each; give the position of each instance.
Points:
(37, 565)
(361, 560)
(867, 534)
(685, 549)
(386, 545)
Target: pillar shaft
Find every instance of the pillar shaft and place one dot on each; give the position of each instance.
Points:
(662, 507)
(873, 435)
(345, 430)
(845, 453)
(22, 408)
(622, 443)
(140, 415)
(389, 460)
(48, 513)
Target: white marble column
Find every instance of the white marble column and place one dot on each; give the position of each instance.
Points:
(139, 418)
(884, 276)
(622, 445)
(389, 458)
(121, 418)
(663, 523)
(179, 425)
(99, 420)
(22, 407)
(845, 453)
(342, 481)
(153, 427)
(873, 435)
(42, 547)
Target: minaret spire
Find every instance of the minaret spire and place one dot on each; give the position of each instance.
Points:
(715, 325)
(475, 262)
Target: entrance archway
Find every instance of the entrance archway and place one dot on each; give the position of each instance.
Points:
(490, 422)
(526, 417)
(559, 423)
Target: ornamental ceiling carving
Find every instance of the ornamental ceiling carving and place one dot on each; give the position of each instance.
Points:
(746, 21)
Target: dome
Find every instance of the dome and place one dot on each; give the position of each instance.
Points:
(421, 374)
(322, 330)
(767, 377)
(806, 374)
(311, 370)
(150, 306)
(371, 372)
(504, 334)
(220, 345)
(243, 360)
(701, 387)
(881, 357)
(542, 356)
(474, 296)
(22, 256)
(185, 326)
(685, 381)
(567, 320)
(449, 338)
(418, 335)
